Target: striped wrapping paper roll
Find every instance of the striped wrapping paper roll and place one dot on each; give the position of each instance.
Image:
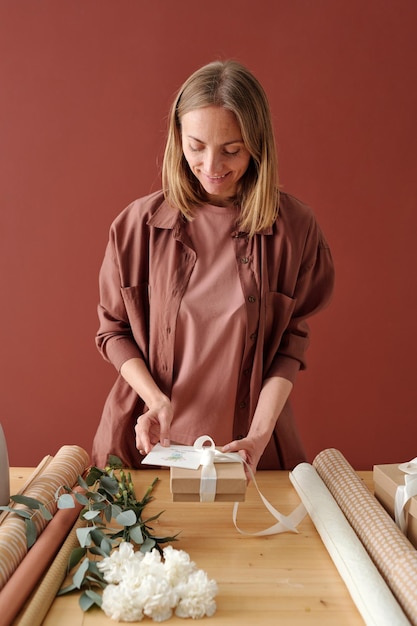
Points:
(392, 553)
(63, 469)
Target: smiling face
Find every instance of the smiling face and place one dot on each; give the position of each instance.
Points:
(214, 150)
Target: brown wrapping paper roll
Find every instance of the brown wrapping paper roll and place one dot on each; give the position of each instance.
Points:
(390, 550)
(40, 602)
(27, 575)
(63, 469)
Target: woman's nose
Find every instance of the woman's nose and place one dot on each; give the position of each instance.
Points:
(212, 163)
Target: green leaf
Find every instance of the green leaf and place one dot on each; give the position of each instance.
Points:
(31, 533)
(83, 535)
(88, 515)
(80, 497)
(136, 535)
(108, 513)
(46, 514)
(114, 462)
(95, 496)
(82, 483)
(78, 577)
(85, 602)
(97, 536)
(76, 556)
(126, 518)
(111, 485)
(118, 535)
(88, 599)
(147, 545)
(21, 513)
(66, 501)
(97, 551)
(96, 572)
(94, 596)
(29, 502)
(66, 589)
(153, 518)
(166, 539)
(93, 476)
(99, 506)
(115, 510)
(106, 546)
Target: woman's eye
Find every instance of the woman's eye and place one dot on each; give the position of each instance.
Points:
(234, 153)
(195, 148)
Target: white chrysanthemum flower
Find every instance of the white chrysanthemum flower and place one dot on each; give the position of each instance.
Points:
(157, 597)
(120, 604)
(177, 565)
(132, 573)
(114, 566)
(152, 564)
(196, 596)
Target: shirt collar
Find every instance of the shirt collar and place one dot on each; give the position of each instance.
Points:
(167, 217)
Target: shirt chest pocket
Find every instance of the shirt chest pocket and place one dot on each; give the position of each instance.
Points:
(278, 312)
(136, 301)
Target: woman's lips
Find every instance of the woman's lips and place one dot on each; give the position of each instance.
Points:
(216, 179)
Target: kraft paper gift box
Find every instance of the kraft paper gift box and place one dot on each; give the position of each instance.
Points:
(386, 480)
(230, 483)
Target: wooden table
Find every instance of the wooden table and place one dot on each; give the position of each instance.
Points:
(286, 579)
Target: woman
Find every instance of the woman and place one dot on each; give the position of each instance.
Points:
(206, 286)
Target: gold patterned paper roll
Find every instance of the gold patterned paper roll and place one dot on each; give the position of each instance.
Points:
(63, 469)
(390, 550)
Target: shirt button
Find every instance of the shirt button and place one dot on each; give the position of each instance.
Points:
(253, 336)
(242, 405)
(251, 299)
(246, 372)
(244, 259)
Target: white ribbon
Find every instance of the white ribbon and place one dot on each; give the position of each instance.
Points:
(405, 492)
(209, 456)
(208, 483)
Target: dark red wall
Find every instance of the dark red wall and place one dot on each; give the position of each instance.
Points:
(84, 91)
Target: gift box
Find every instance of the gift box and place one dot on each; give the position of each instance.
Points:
(230, 483)
(387, 478)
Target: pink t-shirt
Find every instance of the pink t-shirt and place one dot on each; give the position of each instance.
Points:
(211, 323)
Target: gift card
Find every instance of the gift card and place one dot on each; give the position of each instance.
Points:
(186, 457)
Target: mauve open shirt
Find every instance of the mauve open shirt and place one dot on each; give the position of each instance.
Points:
(286, 274)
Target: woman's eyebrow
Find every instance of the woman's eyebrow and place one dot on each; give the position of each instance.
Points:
(227, 143)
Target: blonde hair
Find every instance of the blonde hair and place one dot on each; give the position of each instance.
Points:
(230, 85)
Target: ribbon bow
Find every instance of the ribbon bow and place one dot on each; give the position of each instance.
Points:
(405, 492)
(209, 456)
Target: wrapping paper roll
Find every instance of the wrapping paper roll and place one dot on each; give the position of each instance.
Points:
(30, 571)
(390, 550)
(40, 603)
(63, 469)
(369, 591)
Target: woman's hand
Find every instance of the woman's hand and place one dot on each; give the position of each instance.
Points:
(274, 394)
(249, 448)
(153, 426)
